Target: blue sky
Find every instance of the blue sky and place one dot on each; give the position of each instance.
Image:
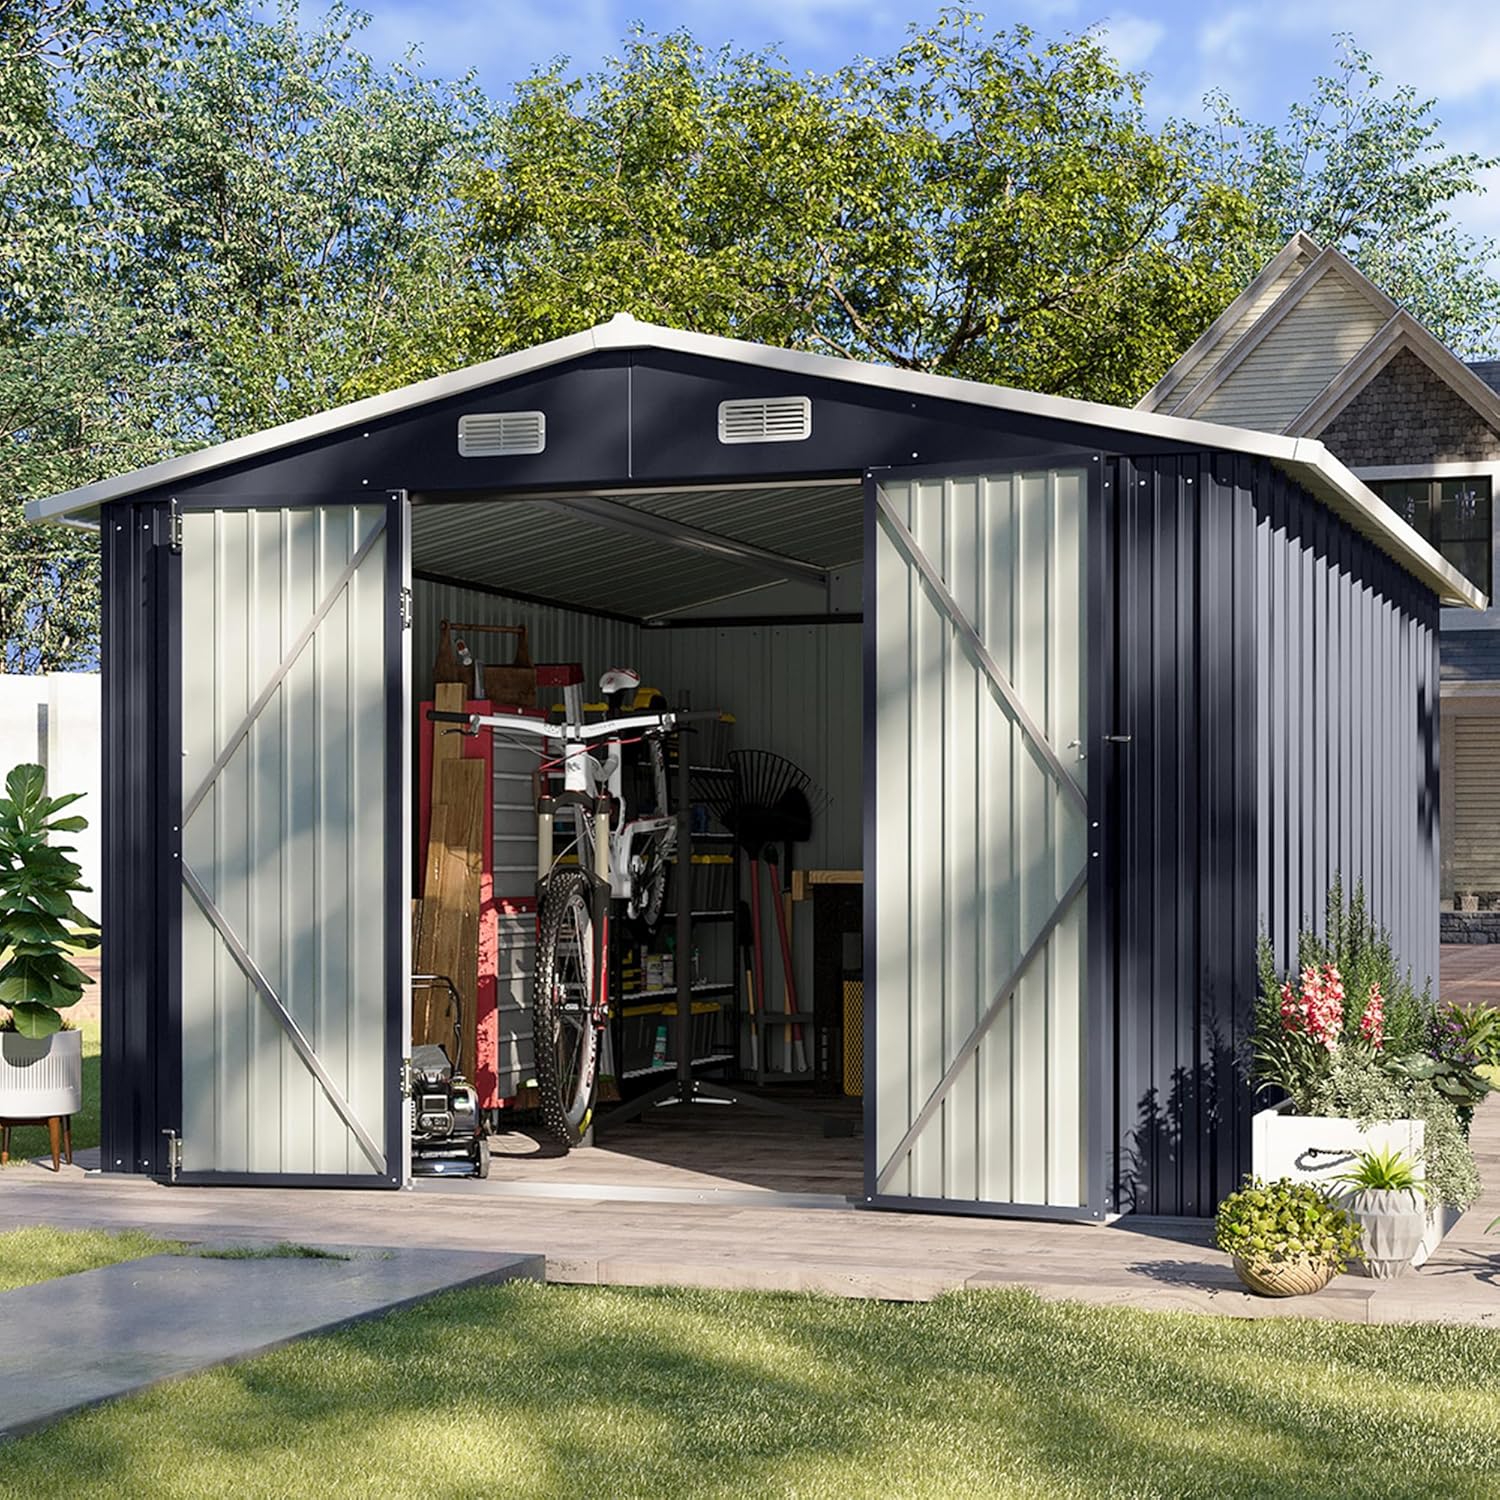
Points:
(1261, 54)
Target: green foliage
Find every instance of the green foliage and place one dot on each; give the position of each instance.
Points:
(1362, 951)
(1362, 167)
(978, 204)
(1285, 1221)
(39, 921)
(1454, 1081)
(1384, 1170)
(1360, 1089)
(1364, 956)
(1478, 1030)
(209, 220)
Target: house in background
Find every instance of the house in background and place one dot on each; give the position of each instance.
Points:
(1312, 348)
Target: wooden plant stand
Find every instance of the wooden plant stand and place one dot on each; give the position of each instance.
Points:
(59, 1134)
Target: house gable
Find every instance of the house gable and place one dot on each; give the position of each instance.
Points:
(1409, 414)
(1297, 348)
(1199, 365)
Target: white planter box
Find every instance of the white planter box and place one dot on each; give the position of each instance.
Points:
(1316, 1148)
(39, 1078)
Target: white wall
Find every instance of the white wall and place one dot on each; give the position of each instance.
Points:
(53, 720)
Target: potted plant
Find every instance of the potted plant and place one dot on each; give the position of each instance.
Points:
(1286, 1239)
(41, 1062)
(1387, 1198)
(1366, 1063)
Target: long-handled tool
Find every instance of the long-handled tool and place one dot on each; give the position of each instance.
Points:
(767, 800)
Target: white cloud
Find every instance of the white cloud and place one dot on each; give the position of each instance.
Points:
(1132, 39)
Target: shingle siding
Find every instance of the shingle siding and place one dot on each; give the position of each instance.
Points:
(1409, 415)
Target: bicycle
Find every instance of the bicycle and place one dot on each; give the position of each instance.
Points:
(619, 858)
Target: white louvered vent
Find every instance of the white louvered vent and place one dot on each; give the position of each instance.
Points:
(774, 419)
(501, 434)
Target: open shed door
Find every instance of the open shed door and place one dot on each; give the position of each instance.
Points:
(293, 995)
(983, 1045)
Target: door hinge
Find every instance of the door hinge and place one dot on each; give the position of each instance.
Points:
(169, 527)
(406, 1078)
(406, 609)
(174, 1154)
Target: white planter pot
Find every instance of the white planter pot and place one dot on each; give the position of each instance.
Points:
(1394, 1225)
(1317, 1148)
(40, 1077)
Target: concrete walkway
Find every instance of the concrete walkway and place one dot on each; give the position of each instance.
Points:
(78, 1340)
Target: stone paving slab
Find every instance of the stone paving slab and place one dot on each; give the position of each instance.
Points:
(76, 1341)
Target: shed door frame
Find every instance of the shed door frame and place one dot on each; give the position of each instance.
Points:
(395, 1142)
(1097, 893)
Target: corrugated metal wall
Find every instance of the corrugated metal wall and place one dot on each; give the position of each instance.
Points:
(552, 634)
(1347, 721)
(288, 840)
(977, 849)
(1278, 677)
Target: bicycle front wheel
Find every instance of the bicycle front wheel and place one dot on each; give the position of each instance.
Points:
(565, 1037)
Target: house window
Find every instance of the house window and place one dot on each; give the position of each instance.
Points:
(1453, 514)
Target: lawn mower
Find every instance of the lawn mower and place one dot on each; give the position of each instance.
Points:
(447, 1132)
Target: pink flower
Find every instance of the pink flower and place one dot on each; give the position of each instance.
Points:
(1372, 1021)
(1318, 1011)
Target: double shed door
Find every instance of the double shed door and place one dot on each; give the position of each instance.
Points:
(292, 672)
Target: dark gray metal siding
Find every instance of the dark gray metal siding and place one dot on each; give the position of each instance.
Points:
(141, 1070)
(1347, 742)
(1277, 675)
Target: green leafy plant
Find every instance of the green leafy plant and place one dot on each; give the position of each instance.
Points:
(39, 921)
(1454, 1079)
(1285, 1221)
(1357, 1087)
(1477, 1030)
(1384, 1170)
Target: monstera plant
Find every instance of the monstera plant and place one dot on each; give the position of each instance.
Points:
(40, 923)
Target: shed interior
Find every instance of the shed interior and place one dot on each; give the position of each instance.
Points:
(743, 598)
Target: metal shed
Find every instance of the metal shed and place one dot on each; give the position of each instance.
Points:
(1104, 695)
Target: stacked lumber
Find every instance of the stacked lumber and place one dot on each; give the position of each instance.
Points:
(448, 926)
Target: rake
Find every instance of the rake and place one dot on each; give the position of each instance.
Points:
(767, 800)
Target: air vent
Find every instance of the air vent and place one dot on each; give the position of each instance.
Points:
(776, 419)
(501, 434)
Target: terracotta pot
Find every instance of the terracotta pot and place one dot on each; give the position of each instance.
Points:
(1284, 1278)
(1393, 1224)
(40, 1077)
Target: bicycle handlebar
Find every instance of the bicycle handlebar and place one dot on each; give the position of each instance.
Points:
(544, 729)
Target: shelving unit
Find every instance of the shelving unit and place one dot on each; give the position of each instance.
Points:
(712, 996)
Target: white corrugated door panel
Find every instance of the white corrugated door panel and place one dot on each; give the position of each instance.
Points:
(979, 634)
(286, 683)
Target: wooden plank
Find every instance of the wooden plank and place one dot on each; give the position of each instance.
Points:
(449, 941)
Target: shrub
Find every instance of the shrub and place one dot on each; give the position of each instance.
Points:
(1358, 1088)
(1384, 1170)
(1285, 1221)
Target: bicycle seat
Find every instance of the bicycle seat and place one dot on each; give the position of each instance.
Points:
(619, 680)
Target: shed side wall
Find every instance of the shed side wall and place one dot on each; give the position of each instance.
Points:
(1278, 677)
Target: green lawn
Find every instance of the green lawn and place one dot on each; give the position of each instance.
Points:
(40, 1253)
(530, 1391)
(29, 1142)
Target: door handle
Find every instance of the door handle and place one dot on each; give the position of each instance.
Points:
(1117, 739)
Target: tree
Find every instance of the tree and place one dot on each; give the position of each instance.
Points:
(1364, 169)
(983, 206)
(216, 222)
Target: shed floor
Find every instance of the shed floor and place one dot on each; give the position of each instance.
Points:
(721, 1151)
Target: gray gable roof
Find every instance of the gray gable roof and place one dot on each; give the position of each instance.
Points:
(1488, 370)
